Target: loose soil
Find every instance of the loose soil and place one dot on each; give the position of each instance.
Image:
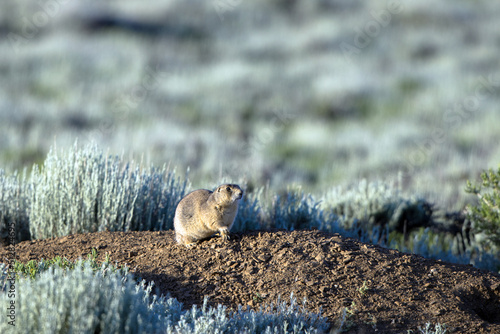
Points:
(382, 290)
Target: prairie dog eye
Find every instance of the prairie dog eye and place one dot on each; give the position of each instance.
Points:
(228, 189)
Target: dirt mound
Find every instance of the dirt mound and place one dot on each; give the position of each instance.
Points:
(381, 289)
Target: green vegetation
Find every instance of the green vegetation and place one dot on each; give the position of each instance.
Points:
(378, 207)
(486, 215)
(79, 297)
(32, 268)
(85, 296)
(361, 126)
(295, 211)
(428, 329)
(84, 190)
(363, 289)
(15, 192)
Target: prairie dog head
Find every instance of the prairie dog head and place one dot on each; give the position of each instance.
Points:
(228, 193)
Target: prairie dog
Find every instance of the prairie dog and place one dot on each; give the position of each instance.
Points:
(202, 213)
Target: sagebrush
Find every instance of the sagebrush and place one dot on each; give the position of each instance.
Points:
(85, 190)
(15, 194)
(83, 300)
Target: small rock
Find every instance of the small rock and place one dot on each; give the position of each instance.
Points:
(310, 283)
(320, 258)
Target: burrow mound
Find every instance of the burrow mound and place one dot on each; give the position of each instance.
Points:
(380, 289)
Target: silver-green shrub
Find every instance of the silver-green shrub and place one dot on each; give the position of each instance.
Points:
(83, 300)
(381, 214)
(15, 192)
(372, 204)
(249, 213)
(295, 210)
(278, 318)
(437, 246)
(428, 329)
(84, 190)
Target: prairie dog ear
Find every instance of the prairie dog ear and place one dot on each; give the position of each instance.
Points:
(218, 190)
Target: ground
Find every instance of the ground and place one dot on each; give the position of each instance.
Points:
(382, 290)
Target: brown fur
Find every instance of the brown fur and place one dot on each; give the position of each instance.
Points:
(202, 213)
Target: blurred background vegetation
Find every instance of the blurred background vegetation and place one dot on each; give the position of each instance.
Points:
(319, 94)
(360, 117)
